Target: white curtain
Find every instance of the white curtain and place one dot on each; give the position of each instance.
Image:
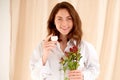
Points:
(101, 27)
(5, 28)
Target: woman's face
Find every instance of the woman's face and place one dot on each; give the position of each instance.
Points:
(63, 22)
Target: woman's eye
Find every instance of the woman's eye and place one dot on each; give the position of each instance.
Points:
(69, 18)
(59, 19)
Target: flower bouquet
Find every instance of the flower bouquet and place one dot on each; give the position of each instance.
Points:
(71, 60)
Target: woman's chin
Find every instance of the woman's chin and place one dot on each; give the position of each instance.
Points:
(64, 34)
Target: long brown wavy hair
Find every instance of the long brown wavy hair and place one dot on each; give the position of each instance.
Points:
(76, 32)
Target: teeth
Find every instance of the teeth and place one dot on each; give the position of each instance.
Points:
(54, 38)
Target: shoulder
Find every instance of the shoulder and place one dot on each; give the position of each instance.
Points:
(38, 48)
(87, 47)
(86, 44)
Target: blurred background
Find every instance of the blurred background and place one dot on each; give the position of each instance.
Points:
(23, 26)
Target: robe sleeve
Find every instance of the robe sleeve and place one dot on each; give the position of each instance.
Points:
(38, 70)
(92, 67)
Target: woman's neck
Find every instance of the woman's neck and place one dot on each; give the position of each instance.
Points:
(63, 43)
(63, 38)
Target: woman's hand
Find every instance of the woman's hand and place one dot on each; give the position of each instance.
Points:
(47, 47)
(75, 75)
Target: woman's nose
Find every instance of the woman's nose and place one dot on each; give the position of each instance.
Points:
(64, 23)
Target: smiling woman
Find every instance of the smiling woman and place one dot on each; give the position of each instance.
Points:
(100, 25)
(65, 23)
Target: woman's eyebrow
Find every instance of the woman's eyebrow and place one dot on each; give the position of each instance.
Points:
(61, 16)
(58, 16)
(69, 16)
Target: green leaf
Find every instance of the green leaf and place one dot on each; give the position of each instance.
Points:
(70, 65)
(66, 78)
(64, 68)
(77, 65)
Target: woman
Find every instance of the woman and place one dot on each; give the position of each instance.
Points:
(65, 23)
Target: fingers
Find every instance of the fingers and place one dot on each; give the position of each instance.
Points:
(48, 37)
(49, 45)
(75, 75)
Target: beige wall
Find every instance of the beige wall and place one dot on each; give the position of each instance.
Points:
(4, 39)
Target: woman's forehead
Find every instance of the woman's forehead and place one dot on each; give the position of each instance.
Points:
(62, 12)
